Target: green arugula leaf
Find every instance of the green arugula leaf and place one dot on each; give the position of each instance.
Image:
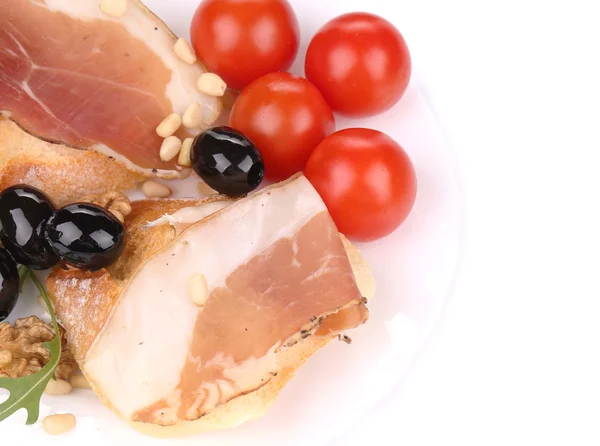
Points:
(26, 392)
(23, 273)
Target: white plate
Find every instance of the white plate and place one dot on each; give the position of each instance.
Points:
(414, 268)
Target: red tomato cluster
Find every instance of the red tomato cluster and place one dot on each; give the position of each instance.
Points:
(357, 65)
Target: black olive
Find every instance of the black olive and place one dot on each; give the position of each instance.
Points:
(227, 161)
(24, 211)
(85, 236)
(9, 284)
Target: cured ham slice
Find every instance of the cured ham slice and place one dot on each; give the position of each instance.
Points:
(277, 272)
(71, 74)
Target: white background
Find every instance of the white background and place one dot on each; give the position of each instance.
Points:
(515, 359)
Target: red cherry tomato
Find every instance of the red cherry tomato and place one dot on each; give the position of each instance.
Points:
(366, 180)
(241, 40)
(361, 64)
(286, 117)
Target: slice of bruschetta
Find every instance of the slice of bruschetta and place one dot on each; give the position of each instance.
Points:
(78, 80)
(212, 307)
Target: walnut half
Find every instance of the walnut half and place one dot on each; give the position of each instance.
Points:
(114, 202)
(22, 352)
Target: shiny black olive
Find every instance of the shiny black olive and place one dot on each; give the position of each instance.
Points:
(24, 211)
(227, 161)
(9, 284)
(85, 236)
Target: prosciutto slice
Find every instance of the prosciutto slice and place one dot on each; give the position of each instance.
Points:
(71, 74)
(276, 271)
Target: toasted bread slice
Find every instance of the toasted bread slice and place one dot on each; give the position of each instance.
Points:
(72, 291)
(64, 173)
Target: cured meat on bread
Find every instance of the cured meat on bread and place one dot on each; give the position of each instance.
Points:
(276, 273)
(81, 79)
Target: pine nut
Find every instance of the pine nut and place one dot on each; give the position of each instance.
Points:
(117, 215)
(212, 85)
(59, 424)
(170, 148)
(184, 51)
(115, 8)
(79, 382)
(192, 118)
(198, 289)
(205, 189)
(169, 125)
(58, 387)
(152, 189)
(185, 154)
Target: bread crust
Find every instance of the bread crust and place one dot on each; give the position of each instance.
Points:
(64, 173)
(67, 287)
